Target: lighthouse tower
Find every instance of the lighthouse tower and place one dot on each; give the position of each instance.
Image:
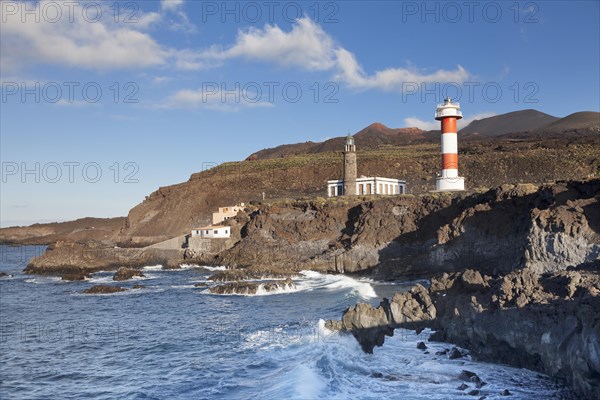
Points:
(350, 167)
(449, 180)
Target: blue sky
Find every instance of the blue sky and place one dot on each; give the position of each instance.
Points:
(150, 92)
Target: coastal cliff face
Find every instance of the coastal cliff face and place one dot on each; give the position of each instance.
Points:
(80, 230)
(544, 228)
(546, 322)
(174, 210)
(530, 296)
(65, 258)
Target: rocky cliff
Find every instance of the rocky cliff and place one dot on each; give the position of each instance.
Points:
(174, 210)
(80, 230)
(544, 228)
(546, 322)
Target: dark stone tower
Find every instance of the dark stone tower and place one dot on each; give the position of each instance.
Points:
(350, 167)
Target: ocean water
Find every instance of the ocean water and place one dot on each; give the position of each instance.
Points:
(171, 340)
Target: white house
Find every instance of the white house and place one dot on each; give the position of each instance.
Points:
(368, 185)
(213, 232)
(225, 213)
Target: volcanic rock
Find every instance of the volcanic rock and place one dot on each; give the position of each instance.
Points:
(104, 289)
(249, 288)
(232, 275)
(454, 354)
(78, 276)
(124, 274)
(546, 322)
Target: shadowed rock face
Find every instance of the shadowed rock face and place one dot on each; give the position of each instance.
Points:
(547, 322)
(84, 229)
(514, 226)
(124, 274)
(511, 227)
(250, 288)
(104, 289)
(370, 325)
(75, 258)
(78, 276)
(249, 273)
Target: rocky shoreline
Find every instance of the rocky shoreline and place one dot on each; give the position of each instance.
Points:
(402, 237)
(76, 259)
(529, 297)
(545, 322)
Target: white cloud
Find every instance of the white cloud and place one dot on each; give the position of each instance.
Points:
(174, 17)
(189, 60)
(146, 20)
(171, 4)
(107, 45)
(306, 45)
(74, 103)
(181, 22)
(76, 43)
(432, 124)
(72, 41)
(309, 47)
(352, 73)
(157, 80)
(415, 122)
(215, 98)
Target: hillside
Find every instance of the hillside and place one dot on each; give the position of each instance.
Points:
(80, 230)
(294, 173)
(372, 137)
(577, 121)
(517, 121)
(517, 124)
(173, 210)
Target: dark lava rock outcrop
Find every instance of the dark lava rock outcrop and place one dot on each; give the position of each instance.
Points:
(232, 275)
(77, 258)
(250, 288)
(104, 289)
(546, 322)
(544, 228)
(77, 276)
(124, 274)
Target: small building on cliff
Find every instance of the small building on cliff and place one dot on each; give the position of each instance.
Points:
(226, 213)
(350, 185)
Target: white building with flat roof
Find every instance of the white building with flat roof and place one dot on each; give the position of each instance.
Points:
(350, 185)
(368, 185)
(212, 232)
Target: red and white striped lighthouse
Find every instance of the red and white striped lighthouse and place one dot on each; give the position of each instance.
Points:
(449, 180)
